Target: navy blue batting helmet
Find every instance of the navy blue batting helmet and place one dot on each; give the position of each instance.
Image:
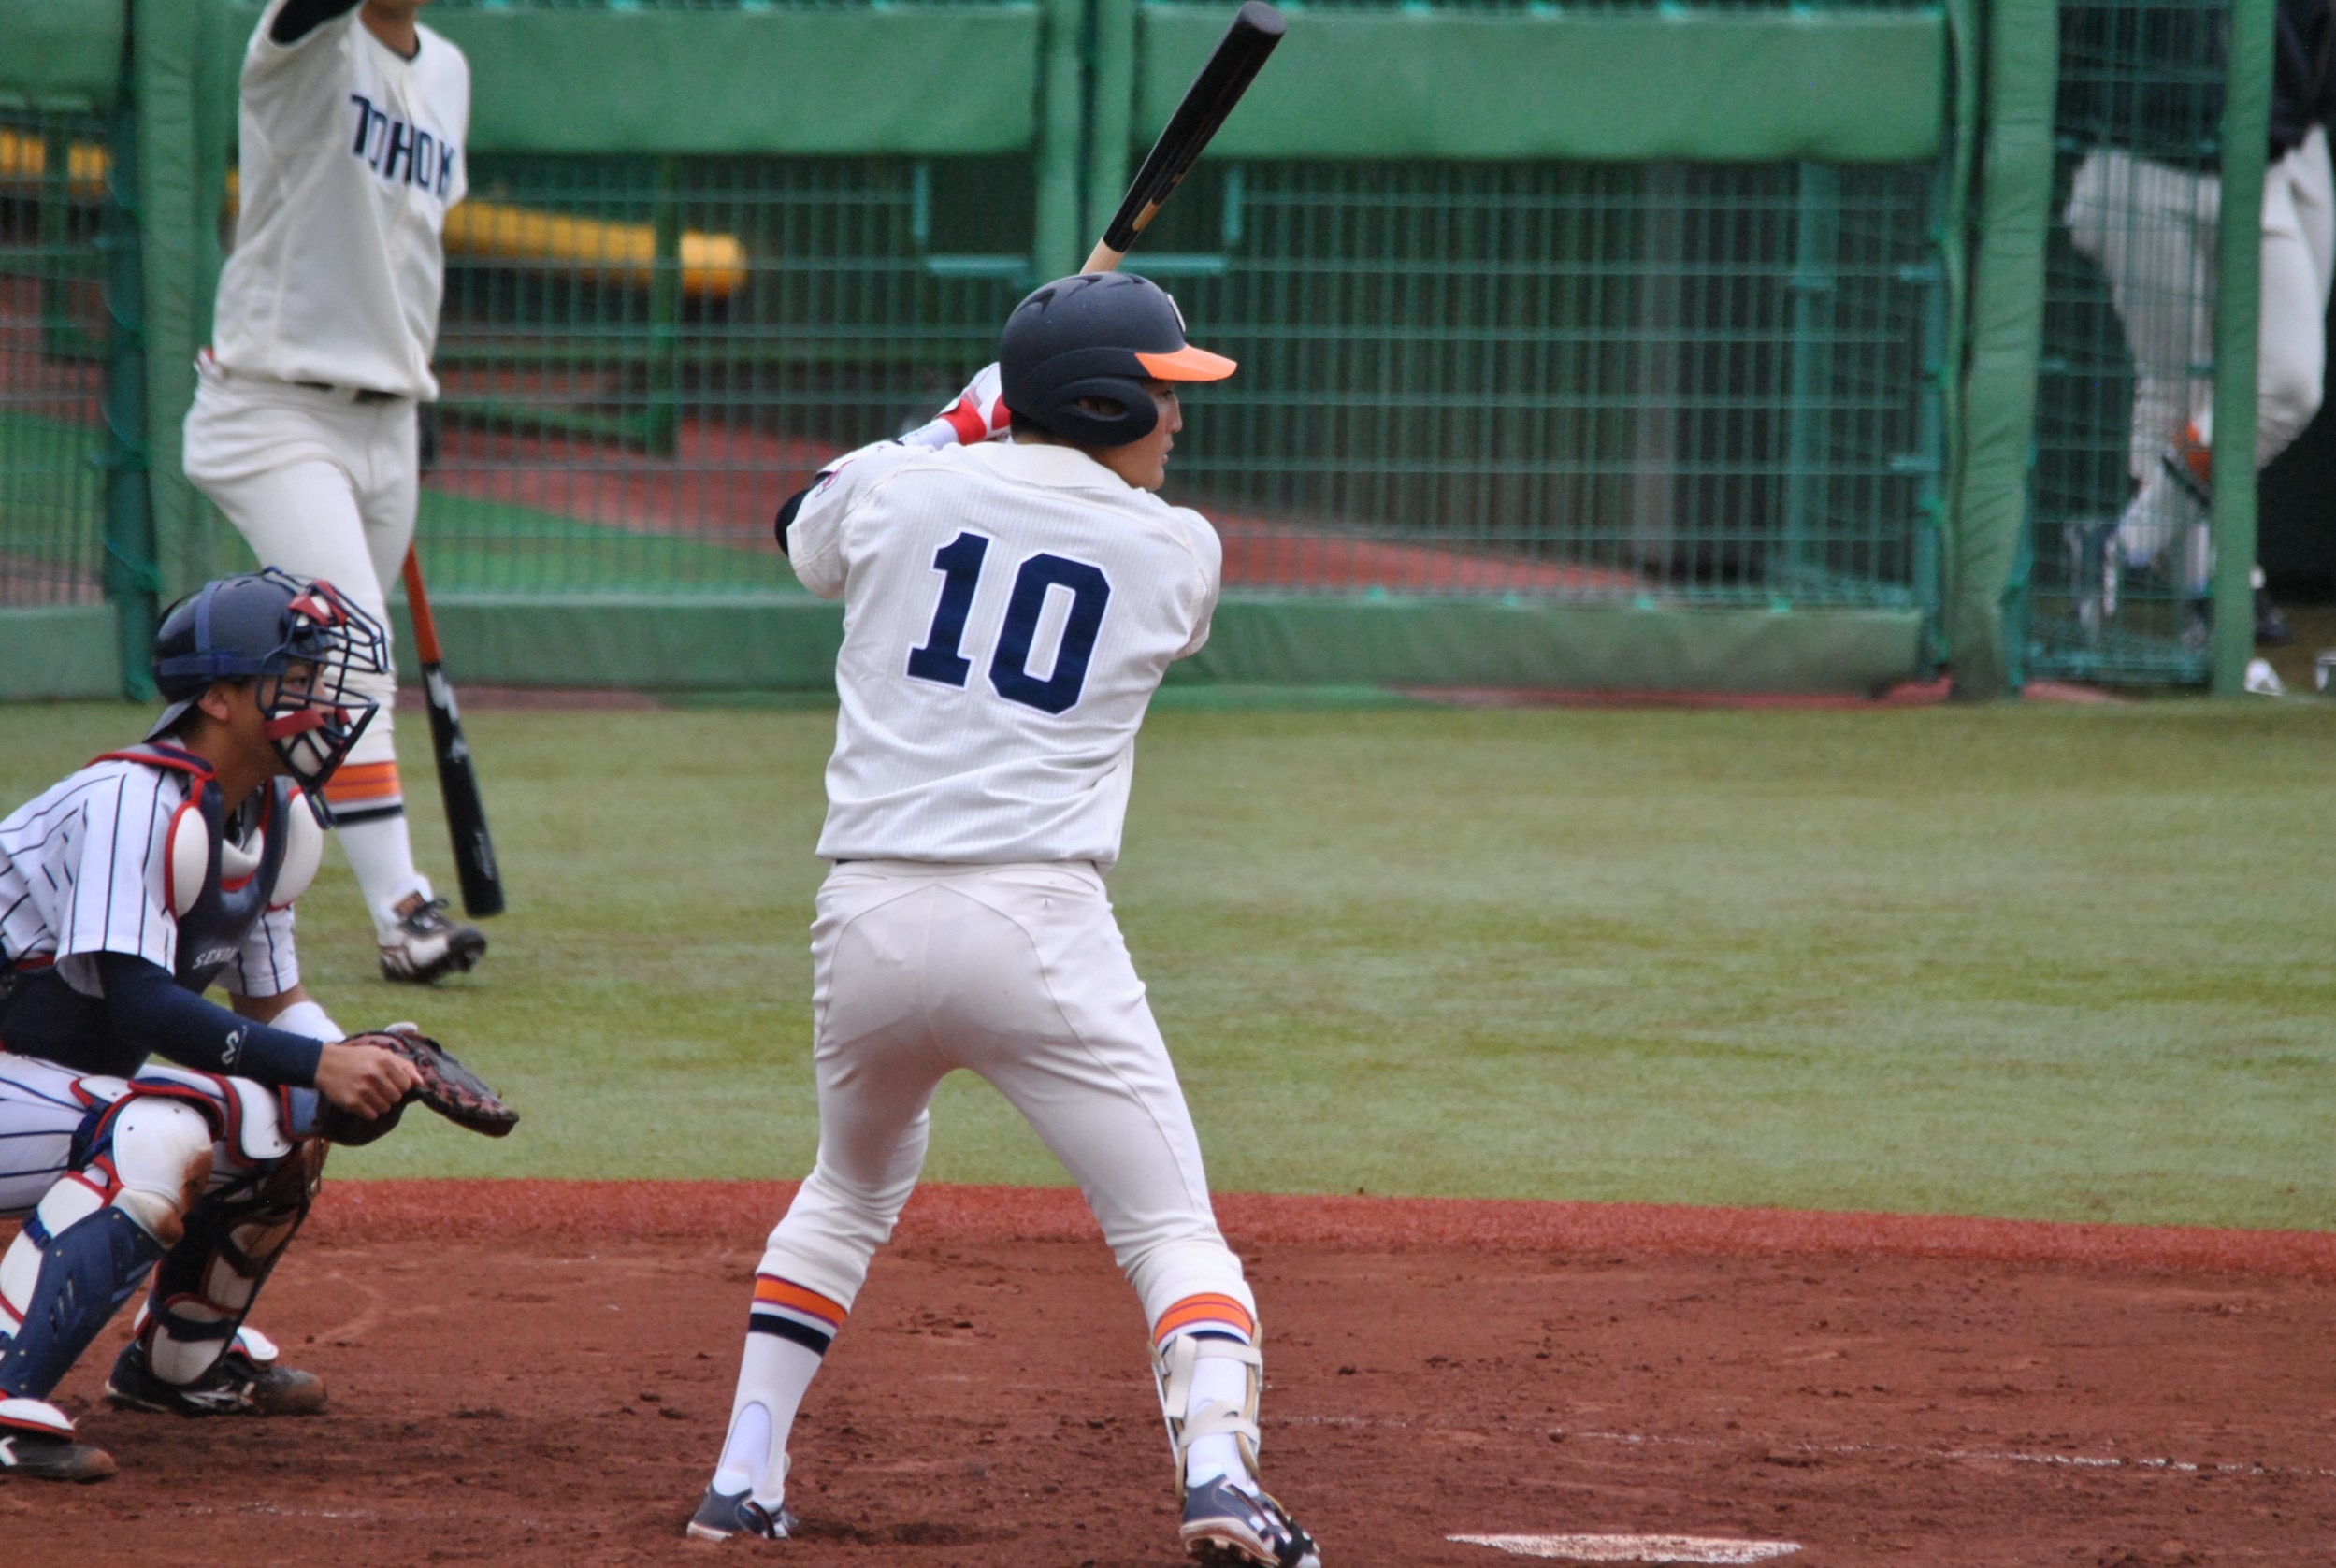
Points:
(259, 626)
(1098, 335)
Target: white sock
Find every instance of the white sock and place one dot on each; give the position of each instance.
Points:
(747, 1454)
(772, 1375)
(1220, 1380)
(382, 854)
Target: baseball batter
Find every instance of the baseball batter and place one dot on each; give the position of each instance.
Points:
(304, 424)
(1009, 608)
(125, 891)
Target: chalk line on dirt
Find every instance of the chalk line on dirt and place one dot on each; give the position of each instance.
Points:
(1635, 1548)
(1998, 1456)
(2154, 1462)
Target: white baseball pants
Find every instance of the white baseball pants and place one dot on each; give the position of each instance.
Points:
(318, 485)
(2150, 227)
(1019, 974)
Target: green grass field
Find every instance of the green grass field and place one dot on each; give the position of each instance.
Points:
(2069, 963)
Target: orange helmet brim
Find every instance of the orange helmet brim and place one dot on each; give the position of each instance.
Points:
(1187, 363)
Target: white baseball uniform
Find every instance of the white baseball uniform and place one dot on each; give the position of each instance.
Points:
(303, 429)
(2153, 230)
(1009, 609)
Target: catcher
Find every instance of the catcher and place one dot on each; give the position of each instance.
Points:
(126, 891)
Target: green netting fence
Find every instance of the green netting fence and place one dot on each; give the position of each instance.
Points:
(54, 337)
(2121, 582)
(1627, 306)
(1702, 382)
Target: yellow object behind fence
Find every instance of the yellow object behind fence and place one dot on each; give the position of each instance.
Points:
(24, 161)
(587, 250)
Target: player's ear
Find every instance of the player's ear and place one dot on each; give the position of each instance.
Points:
(218, 702)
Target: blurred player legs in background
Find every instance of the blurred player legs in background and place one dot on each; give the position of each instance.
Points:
(2150, 227)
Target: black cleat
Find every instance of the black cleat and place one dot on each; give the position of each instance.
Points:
(1230, 1526)
(429, 945)
(237, 1385)
(36, 1445)
(723, 1515)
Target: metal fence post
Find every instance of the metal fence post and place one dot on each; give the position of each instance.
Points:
(1111, 111)
(2238, 255)
(1817, 216)
(131, 579)
(661, 428)
(1056, 248)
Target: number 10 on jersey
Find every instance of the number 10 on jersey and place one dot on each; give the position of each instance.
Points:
(959, 562)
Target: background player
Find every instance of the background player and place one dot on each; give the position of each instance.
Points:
(1009, 609)
(125, 890)
(304, 424)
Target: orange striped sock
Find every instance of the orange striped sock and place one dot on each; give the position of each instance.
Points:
(361, 791)
(791, 1311)
(1206, 1313)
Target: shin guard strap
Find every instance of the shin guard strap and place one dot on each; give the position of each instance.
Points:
(1174, 1365)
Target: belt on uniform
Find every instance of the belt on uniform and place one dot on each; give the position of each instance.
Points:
(352, 394)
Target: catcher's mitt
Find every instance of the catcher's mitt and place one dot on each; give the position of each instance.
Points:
(447, 1087)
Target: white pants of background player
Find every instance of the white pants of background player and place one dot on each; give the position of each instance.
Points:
(324, 486)
(1017, 973)
(2151, 228)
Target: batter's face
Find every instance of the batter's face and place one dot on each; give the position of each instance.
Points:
(1144, 463)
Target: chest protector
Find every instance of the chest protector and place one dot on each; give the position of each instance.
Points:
(220, 885)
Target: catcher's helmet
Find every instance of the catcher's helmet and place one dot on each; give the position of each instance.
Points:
(1098, 334)
(256, 626)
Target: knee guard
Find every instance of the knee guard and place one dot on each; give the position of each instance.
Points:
(206, 1283)
(86, 1248)
(1175, 1364)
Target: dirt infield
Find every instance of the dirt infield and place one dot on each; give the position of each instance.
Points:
(530, 1373)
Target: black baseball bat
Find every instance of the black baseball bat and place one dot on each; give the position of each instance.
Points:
(1240, 54)
(457, 781)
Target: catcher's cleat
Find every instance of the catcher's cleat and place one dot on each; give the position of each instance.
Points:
(723, 1515)
(36, 1445)
(237, 1384)
(426, 945)
(1230, 1526)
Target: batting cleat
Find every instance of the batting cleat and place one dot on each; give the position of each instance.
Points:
(723, 1515)
(1227, 1525)
(36, 1445)
(426, 945)
(246, 1381)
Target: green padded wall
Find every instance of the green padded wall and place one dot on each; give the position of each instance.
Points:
(63, 54)
(783, 642)
(1723, 86)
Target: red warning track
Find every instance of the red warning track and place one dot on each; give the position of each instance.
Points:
(730, 1210)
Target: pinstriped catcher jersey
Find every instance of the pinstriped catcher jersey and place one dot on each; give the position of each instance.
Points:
(350, 157)
(1008, 611)
(84, 870)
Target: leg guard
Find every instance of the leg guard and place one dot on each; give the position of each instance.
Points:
(87, 1270)
(85, 1249)
(1177, 1365)
(207, 1282)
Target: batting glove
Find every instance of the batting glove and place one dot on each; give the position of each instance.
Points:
(979, 414)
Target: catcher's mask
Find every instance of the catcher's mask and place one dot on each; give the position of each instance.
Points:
(1099, 335)
(299, 640)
